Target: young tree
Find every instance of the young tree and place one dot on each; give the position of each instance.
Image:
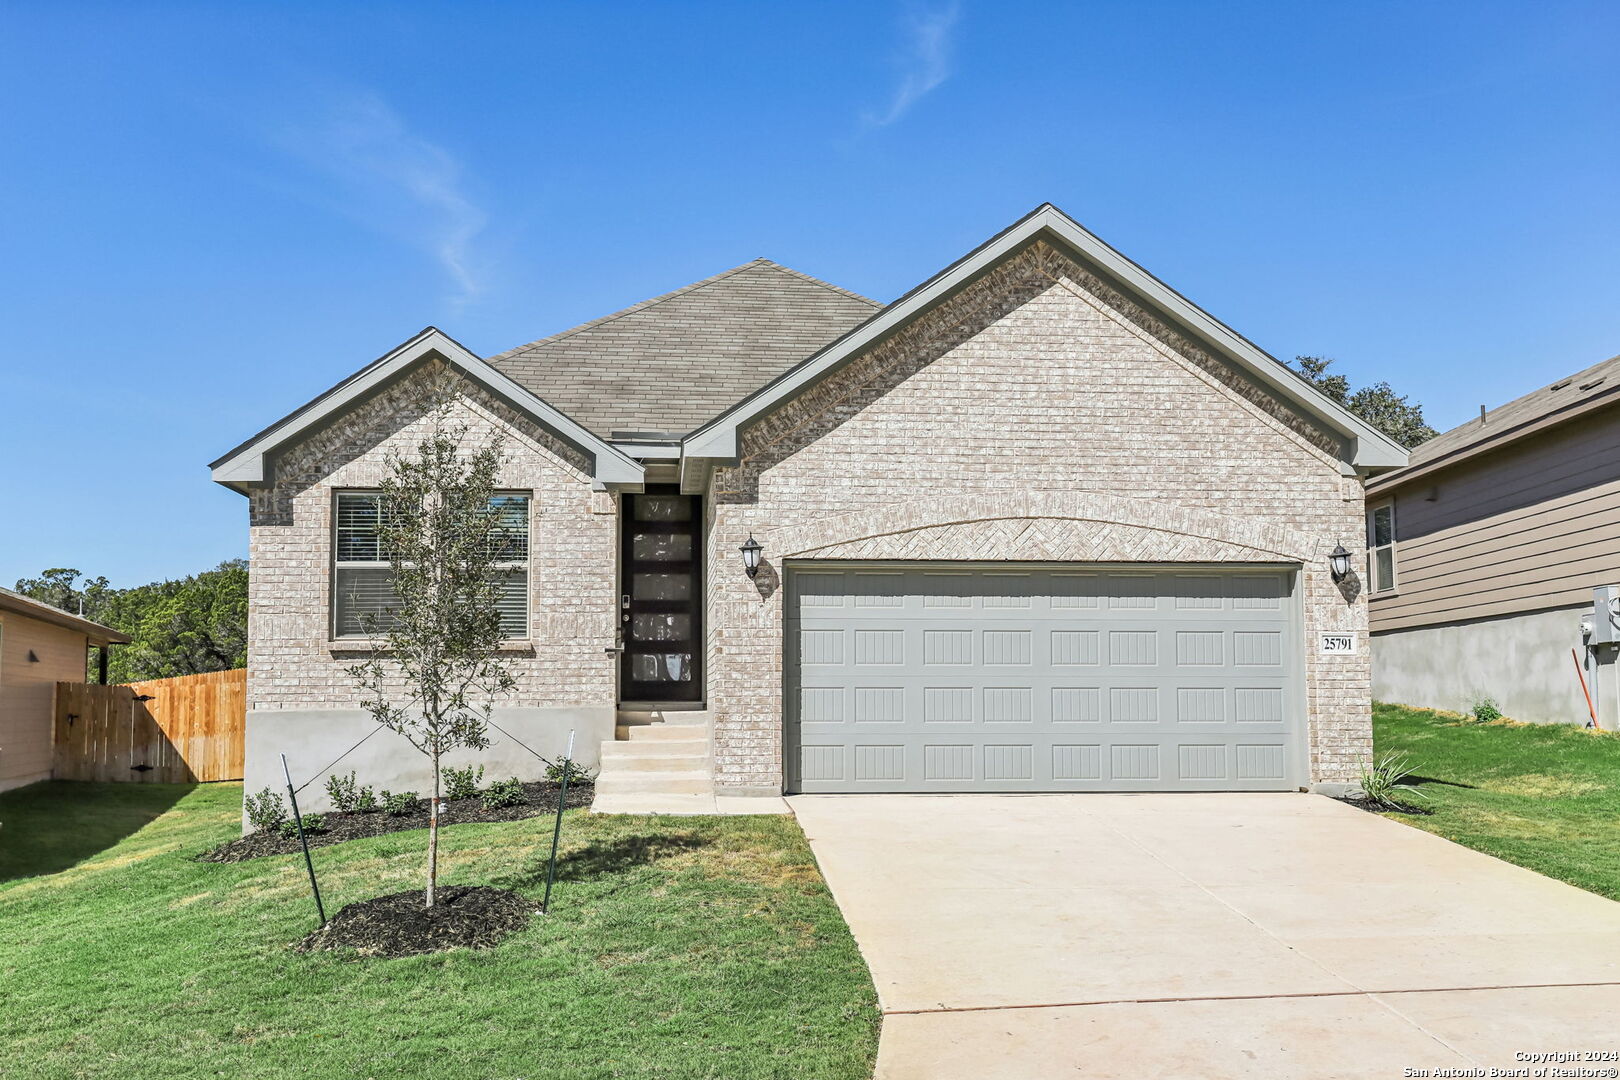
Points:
(1377, 404)
(436, 670)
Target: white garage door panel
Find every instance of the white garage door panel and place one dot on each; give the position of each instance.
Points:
(927, 677)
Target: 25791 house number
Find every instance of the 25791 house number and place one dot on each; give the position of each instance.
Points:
(1338, 644)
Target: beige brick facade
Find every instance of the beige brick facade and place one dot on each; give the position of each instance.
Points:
(1036, 415)
(572, 584)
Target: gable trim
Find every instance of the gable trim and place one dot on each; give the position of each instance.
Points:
(251, 464)
(1366, 449)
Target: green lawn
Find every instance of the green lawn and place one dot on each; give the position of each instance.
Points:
(1545, 796)
(676, 947)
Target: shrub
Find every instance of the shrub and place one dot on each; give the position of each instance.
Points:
(504, 793)
(365, 800)
(399, 805)
(313, 823)
(1383, 782)
(265, 810)
(463, 783)
(577, 773)
(1485, 710)
(343, 792)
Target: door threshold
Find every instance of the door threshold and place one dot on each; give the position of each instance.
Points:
(662, 706)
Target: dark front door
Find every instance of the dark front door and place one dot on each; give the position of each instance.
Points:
(661, 602)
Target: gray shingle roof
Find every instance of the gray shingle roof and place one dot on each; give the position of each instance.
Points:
(672, 363)
(1595, 381)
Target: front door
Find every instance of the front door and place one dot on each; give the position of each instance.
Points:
(661, 597)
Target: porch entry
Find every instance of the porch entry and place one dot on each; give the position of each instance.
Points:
(661, 597)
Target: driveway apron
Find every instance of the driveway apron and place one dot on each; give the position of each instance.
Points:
(1204, 936)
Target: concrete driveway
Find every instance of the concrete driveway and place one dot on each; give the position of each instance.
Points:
(1205, 936)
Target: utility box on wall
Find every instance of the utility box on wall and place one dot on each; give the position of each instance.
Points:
(1605, 615)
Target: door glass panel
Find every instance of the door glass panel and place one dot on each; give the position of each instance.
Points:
(644, 627)
(661, 547)
(661, 667)
(663, 508)
(660, 586)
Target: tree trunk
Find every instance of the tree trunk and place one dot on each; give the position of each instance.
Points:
(433, 836)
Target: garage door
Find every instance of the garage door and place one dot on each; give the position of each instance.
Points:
(936, 677)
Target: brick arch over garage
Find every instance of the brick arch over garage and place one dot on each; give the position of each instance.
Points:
(746, 690)
(1037, 526)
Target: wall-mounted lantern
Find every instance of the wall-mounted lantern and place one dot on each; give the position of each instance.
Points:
(750, 553)
(1339, 562)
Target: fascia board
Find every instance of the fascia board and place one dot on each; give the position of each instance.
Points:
(1366, 447)
(1496, 440)
(246, 464)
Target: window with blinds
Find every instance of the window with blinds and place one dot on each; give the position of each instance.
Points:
(363, 583)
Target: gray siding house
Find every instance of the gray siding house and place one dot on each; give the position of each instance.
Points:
(1485, 550)
(1040, 524)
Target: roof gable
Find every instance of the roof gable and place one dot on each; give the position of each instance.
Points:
(676, 361)
(1365, 448)
(251, 464)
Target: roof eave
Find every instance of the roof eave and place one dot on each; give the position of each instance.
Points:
(250, 465)
(1365, 448)
(1497, 440)
(27, 607)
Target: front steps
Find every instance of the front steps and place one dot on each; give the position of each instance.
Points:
(658, 763)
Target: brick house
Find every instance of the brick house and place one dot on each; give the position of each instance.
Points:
(1040, 524)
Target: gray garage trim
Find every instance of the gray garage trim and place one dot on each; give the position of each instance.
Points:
(954, 677)
(251, 464)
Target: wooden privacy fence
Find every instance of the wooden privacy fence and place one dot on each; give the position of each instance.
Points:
(164, 731)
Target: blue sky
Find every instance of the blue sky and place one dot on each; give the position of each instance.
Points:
(213, 212)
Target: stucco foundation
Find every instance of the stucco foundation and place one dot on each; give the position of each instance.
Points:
(1520, 661)
(313, 739)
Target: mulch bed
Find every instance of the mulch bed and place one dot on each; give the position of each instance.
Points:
(539, 799)
(1379, 808)
(462, 917)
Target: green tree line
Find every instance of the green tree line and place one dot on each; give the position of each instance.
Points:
(184, 627)
(1378, 404)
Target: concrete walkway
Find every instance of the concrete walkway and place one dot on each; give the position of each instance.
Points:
(1204, 936)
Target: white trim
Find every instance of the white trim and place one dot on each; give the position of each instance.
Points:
(1373, 549)
(246, 466)
(1367, 449)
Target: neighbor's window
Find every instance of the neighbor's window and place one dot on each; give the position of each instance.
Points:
(363, 582)
(1381, 547)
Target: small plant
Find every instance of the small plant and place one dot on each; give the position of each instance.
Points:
(313, 823)
(1383, 782)
(365, 800)
(463, 783)
(577, 773)
(343, 792)
(399, 805)
(503, 793)
(1485, 710)
(265, 810)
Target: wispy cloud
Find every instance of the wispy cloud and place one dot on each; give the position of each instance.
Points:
(925, 59)
(397, 182)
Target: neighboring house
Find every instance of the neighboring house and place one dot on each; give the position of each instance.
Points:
(1038, 525)
(40, 646)
(1485, 549)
